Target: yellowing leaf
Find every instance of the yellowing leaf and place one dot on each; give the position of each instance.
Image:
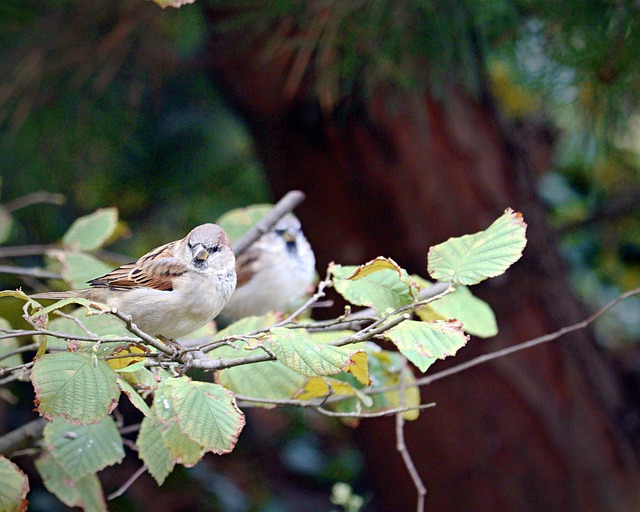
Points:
(123, 362)
(407, 398)
(321, 387)
(373, 266)
(359, 368)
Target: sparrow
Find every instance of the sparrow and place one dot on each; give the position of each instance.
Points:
(172, 290)
(274, 274)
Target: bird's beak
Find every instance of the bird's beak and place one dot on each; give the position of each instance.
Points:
(201, 253)
(289, 236)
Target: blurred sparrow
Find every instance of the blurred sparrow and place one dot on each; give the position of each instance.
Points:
(275, 273)
(172, 290)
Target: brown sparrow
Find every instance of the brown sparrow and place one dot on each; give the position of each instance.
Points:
(274, 274)
(172, 290)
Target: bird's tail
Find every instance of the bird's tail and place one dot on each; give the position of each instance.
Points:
(56, 295)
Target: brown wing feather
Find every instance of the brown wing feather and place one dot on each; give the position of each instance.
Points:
(156, 269)
(245, 266)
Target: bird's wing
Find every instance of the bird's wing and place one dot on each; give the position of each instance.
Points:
(156, 269)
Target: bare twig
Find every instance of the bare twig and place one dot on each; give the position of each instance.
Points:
(312, 300)
(378, 414)
(19, 350)
(127, 484)
(26, 250)
(264, 225)
(20, 367)
(34, 198)
(428, 379)
(22, 437)
(404, 453)
(18, 333)
(30, 272)
(133, 329)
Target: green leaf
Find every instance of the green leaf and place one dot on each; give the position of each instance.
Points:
(17, 294)
(471, 259)
(182, 449)
(84, 449)
(91, 231)
(424, 342)
(78, 386)
(475, 314)
(153, 451)
(7, 345)
(206, 412)
(6, 223)
(136, 400)
(85, 493)
(270, 379)
(375, 285)
(237, 222)
(14, 488)
(78, 268)
(312, 359)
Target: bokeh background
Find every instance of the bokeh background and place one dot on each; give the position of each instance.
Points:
(405, 123)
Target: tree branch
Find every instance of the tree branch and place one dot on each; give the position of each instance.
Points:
(264, 225)
(34, 198)
(30, 272)
(22, 437)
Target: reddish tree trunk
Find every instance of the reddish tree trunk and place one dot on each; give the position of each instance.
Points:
(540, 430)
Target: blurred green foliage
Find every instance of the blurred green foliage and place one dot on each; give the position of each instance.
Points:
(112, 107)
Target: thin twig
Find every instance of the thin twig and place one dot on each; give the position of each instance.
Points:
(26, 250)
(264, 225)
(401, 447)
(312, 300)
(5, 371)
(147, 338)
(19, 350)
(130, 429)
(127, 484)
(378, 414)
(30, 272)
(64, 336)
(22, 437)
(428, 379)
(34, 198)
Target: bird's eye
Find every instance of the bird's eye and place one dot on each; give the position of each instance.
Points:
(215, 249)
(279, 232)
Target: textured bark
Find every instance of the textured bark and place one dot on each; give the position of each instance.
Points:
(541, 430)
